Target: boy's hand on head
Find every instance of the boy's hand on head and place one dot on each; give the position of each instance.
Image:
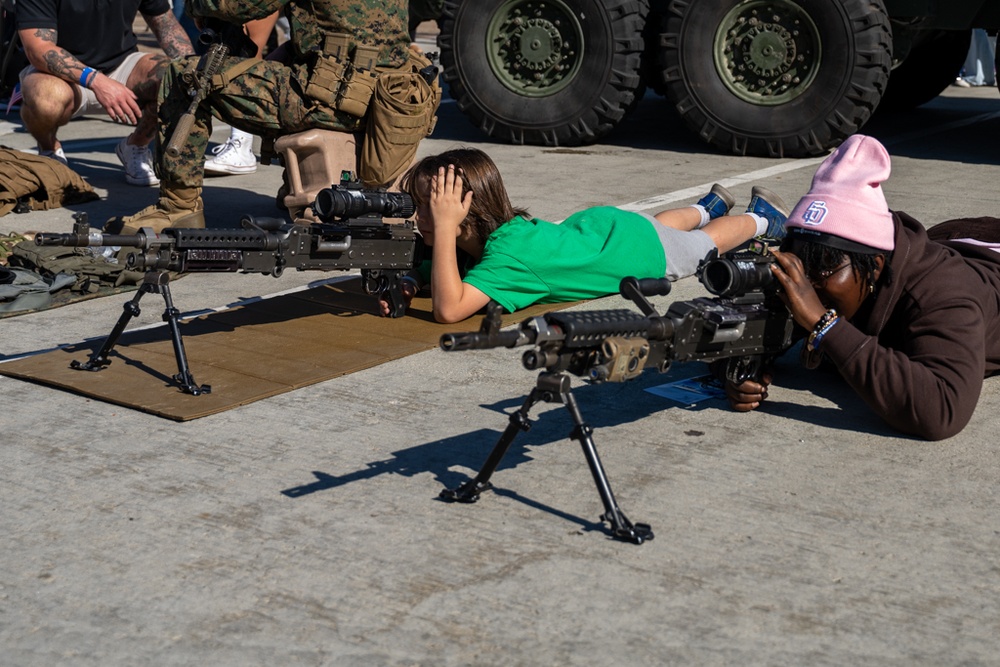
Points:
(448, 207)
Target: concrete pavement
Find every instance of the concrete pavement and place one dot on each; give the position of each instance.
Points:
(305, 529)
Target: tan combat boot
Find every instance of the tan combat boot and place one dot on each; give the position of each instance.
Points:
(180, 207)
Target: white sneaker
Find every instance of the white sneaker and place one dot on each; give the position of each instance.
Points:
(138, 163)
(233, 157)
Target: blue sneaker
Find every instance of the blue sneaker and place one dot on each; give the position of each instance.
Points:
(717, 202)
(769, 206)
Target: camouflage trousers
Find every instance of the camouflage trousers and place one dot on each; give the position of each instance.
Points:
(266, 99)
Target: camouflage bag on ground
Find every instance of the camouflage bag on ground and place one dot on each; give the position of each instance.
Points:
(91, 271)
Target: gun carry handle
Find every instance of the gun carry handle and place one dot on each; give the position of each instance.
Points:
(636, 291)
(655, 286)
(261, 223)
(180, 135)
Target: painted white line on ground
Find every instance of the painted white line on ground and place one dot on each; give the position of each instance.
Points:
(660, 201)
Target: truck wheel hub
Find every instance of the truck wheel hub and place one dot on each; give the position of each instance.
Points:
(767, 52)
(535, 50)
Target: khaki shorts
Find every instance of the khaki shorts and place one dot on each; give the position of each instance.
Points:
(88, 101)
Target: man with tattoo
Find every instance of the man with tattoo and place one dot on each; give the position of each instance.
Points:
(84, 60)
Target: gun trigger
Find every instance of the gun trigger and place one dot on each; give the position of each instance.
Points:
(741, 369)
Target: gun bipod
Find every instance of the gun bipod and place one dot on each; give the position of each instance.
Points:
(153, 282)
(554, 388)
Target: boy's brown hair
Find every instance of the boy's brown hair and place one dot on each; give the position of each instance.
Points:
(491, 205)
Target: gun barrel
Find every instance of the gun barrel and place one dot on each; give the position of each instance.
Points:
(207, 37)
(457, 342)
(91, 240)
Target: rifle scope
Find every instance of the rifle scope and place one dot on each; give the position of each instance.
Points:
(345, 202)
(736, 274)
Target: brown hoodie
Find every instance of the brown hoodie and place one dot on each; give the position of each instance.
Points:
(920, 356)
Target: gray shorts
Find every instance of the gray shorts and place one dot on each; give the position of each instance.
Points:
(88, 104)
(683, 250)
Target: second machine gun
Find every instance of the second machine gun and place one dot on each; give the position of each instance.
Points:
(351, 235)
(746, 325)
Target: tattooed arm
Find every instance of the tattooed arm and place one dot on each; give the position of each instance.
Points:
(48, 57)
(169, 35)
(43, 52)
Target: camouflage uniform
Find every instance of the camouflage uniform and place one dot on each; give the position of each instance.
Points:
(266, 99)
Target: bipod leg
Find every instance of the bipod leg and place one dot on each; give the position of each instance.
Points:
(621, 527)
(99, 359)
(170, 316)
(157, 282)
(468, 492)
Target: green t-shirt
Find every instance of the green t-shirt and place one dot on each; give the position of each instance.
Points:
(584, 257)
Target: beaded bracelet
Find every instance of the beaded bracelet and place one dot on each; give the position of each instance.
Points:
(824, 325)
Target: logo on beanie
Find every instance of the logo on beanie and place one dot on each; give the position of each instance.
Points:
(815, 213)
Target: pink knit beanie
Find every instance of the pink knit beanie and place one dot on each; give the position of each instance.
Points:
(846, 199)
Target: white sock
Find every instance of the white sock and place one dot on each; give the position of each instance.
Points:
(761, 223)
(238, 135)
(704, 215)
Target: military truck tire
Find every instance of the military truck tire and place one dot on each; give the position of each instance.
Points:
(778, 78)
(564, 73)
(930, 67)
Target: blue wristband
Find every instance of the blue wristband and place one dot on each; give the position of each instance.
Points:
(85, 74)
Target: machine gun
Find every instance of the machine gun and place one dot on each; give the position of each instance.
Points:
(746, 325)
(351, 235)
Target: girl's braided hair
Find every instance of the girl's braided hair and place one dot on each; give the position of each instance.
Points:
(819, 257)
